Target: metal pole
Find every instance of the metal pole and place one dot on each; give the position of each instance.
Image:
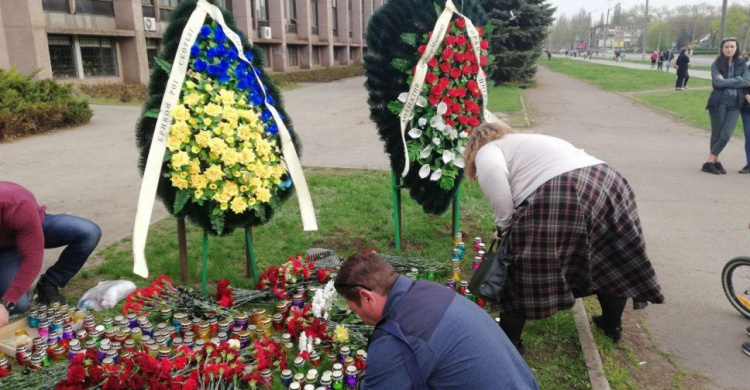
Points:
(644, 34)
(252, 270)
(396, 195)
(457, 211)
(204, 278)
(723, 21)
(182, 245)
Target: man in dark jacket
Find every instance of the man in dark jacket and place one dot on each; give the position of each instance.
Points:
(426, 335)
(25, 231)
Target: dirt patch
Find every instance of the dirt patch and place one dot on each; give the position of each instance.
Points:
(656, 369)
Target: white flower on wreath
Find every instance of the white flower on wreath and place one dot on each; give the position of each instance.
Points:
(442, 108)
(436, 175)
(459, 162)
(403, 96)
(436, 141)
(422, 121)
(323, 300)
(448, 156)
(421, 101)
(447, 130)
(463, 135)
(415, 133)
(424, 171)
(461, 149)
(437, 122)
(426, 152)
(454, 134)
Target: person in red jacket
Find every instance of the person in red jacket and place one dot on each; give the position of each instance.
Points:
(25, 231)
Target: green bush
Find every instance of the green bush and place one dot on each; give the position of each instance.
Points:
(120, 92)
(32, 107)
(321, 75)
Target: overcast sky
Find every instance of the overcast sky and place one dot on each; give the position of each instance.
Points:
(597, 7)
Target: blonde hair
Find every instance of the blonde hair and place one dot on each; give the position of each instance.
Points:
(480, 136)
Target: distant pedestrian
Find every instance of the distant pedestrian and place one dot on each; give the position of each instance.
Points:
(549, 55)
(729, 75)
(670, 57)
(682, 70)
(654, 56)
(660, 61)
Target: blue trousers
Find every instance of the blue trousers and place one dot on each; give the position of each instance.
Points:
(746, 129)
(80, 237)
(723, 120)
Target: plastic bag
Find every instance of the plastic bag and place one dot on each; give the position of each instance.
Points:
(106, 294)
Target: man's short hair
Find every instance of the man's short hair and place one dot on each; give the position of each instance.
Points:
(364, 271)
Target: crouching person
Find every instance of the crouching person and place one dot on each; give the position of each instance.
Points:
(426, 336)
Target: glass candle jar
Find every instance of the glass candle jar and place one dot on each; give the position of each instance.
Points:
(476, 263)
(431, 274)
(457, 238)
(32, 318)
(462, 287)
(477, 241)
(257, 315)
(456, 274)
(204, 331)
(299, 378)
(298, 300)
(351, 377)
(68, 333)
(338, 380)
(286, 377)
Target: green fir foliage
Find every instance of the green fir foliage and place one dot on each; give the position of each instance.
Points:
(385, 82)
(200, 213)
(516, 41)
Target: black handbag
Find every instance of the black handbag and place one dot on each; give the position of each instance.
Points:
(490, 279)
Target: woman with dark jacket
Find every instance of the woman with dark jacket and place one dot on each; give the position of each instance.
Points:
(729, 75)
(682, 70)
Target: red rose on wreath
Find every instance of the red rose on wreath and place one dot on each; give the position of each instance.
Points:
(430, 78)
(460, 40)
(421, 49)
(449, 40)
(445, 67)
(447, 53)
(444, 82)
(460, 22)
(473, 121)
(434, 99)
(484, 44)
(463, 119)
(455, 73)
(433, 62)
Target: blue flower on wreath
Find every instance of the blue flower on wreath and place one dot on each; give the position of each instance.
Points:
(240, 72)
(200, 65)
(232, 54)
(219, 35)
(205, 31)
(216, 52)
(265, 116)
(213, 70)
(272, 129)
(249, 55)
(256, 99)
(286, 183)
(243, 84)
(195, 50)
(223, 78)
(270, 100)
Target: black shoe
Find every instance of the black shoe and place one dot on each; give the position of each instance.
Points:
(615, 333)
(519, 346)
(746, 348)
(720, 168)
(710, 168)
(48, 292)
(746, 169)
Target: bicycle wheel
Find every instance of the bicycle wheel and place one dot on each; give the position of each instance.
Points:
(735, 278)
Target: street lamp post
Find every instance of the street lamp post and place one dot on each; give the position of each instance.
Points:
(643, 35)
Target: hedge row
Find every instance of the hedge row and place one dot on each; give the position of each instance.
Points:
(33, 107)
(320, 75)
(120, 92)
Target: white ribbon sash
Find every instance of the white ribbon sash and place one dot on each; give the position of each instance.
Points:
(161, 131)
(417, 83)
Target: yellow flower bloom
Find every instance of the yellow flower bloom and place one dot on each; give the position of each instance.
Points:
(227, 97)
(180, 129)
(207, 121)
(341, 334)
(247, 156)
(243, 189)
(262, 147)
(244, 132)
(224, 206)
(202, 138)
(212, 109)
(179, 182)
(195, 149)
(191, 99)
(230, 157)
(193, 121)
(214, 173)
(212, 186)
(254, 182)
(241, 102)
(173, 143)
(208, 88)
(195, 166)
(221, 197)
(198, 182)
(217, 145)
(251, 202)
(180, 113)
(239, 205)
(230, 188)
(184, 175)
(190, 84)
(263, 194)
(230, 114)
(198, 194)
(179, 159)
(199, 110)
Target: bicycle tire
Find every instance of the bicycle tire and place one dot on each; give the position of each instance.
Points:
(729, 288)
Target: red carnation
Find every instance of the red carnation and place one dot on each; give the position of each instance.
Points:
(466, 69)
(449, 40)
(436, 90)
(458, 56)
(445, 67)
(475, 109)
(432, 63)
(444, 82)
(446, 100)
(453, 92)
(434, 99)
(484, 44)
(474, 68)
(480, 30)
(447, 53)
(483, 61)
(448, 112)
(455, 107)
(473, 121)
(455, 73)
(461, 92)
(472, 85)
(430, 78)
(460, 23)
(460, 40)
(422, 48)
(449, 122)
(463, 119)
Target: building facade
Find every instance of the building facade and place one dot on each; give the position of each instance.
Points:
(96, 41)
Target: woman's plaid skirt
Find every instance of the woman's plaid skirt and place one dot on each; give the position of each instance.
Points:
(577, 234)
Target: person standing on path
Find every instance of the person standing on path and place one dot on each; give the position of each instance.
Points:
(682, 70)
(573, 224)
(660, 63)
(729, 75)
(670, 57)
(654, 56)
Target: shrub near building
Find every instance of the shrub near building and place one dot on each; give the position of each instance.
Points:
(33, 107)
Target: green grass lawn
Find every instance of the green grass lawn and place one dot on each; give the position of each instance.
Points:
(618, 79)
(507, 99)
(354, 212)
(648, 62)
(689, 105)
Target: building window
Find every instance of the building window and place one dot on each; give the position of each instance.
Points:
(61, 56)
(153, 49)
(266, 50)
(95, 7)
(147, 7)
(261, 10)
(291, 16)
(351, 20)
(314, 20)
(292, 55)
(316, 53)
(56, 6)
(334, 5)
(165, 8)
(98, 56)
(226, 4)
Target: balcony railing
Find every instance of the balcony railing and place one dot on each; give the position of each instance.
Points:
(95, 7)
(291, 28)
(56, 6)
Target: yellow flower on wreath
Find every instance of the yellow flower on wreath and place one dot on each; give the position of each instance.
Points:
(195, 166)
(179, 159)
(230, 157)
(262, 147)
(212, 109)
(203, 137)
(214, 173)
(226, 96)
(247, 156)
(179, 182)
(244, 132)
(198, 182)
(230, 113)
(191, 99)
(239, 205)
(180, 113)
(263, 194)
(217, 145)
(222, 197)
(231, 188)
(174, 143)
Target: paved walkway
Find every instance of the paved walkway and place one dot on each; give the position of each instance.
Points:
(694, 222)
(701, 74)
